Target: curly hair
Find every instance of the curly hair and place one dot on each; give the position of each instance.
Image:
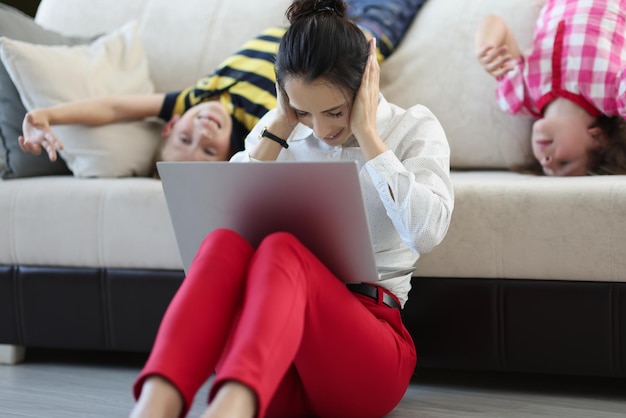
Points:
(610, 159)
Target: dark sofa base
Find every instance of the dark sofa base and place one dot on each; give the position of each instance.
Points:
(559, 327)
(87, 309)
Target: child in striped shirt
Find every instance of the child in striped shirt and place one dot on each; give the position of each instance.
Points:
(572, 80)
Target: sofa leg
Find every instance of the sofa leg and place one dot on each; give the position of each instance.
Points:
(11, 354)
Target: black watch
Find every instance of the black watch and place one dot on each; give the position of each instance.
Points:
(268, 134)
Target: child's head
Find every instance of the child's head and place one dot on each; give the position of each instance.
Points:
(202, 133)
(320, 63)
(578, 144)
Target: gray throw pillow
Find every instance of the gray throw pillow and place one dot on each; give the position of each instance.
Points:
(14, 162)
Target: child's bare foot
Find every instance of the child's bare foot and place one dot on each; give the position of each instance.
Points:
(158, 399)
(233, 400)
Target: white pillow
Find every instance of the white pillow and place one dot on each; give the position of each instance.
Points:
(113, 64)
(435, 65)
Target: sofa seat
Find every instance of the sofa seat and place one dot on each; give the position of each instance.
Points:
(70, 222)
(505, 225)
(509, 225)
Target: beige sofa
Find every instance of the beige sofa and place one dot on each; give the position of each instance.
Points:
(529, 278)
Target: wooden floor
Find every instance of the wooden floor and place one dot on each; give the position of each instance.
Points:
(51, 384)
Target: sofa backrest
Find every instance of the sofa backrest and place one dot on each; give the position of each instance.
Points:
(184, 39)
(434, 65)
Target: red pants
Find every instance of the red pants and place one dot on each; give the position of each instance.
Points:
(278, 321)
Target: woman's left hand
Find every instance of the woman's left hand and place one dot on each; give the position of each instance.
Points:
(365, 106)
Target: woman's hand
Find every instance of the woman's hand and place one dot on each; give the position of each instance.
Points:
(285, 114)
(37, 135)
(282, 125)
(365, 107)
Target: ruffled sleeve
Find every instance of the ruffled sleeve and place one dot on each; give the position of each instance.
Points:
(512, 92)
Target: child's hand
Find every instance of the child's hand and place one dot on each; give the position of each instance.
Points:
(497, 61)
(37, 135)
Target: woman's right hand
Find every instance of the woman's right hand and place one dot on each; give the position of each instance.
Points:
(37, 135)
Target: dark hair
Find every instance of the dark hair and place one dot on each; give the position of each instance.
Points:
(610, 159)
(321, 43)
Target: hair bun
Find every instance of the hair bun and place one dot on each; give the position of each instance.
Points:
(301, 9)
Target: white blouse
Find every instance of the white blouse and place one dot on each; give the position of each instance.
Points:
(414, 217)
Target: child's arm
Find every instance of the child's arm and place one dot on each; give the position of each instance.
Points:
(496, 46)
(37, 133)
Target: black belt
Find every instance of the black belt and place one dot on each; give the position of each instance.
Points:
(372, 291)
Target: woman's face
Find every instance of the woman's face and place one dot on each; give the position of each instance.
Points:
(322, 107)
(202, 133)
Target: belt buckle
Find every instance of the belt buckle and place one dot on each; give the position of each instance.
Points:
(372, 291)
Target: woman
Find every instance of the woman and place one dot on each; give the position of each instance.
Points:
(285, 336)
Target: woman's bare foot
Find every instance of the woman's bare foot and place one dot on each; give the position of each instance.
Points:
(233, 400)
(158, 399)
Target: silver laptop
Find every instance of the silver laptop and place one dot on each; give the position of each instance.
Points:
(321, 203)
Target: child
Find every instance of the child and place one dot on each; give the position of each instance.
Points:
(209, 121)
(573, 80)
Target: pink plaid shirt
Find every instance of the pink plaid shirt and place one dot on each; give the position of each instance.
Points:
(578, 53)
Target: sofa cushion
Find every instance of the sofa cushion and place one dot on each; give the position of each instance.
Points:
(13, 162)
(515, 226)
(436, 66)
(505, 225)
(112, 64)
(102, 222)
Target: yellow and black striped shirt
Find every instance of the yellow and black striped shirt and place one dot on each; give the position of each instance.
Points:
(245, 83)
